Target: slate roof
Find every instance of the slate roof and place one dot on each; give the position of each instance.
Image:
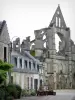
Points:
(2, 23)
(28, 55)
(31, 57)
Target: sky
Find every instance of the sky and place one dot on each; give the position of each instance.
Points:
(25, 16)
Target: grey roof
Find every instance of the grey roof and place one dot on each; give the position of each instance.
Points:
(27, 54)
(2, 23)
(31, 57)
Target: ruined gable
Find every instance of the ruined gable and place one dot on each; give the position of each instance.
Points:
(58, 19)
(61, 62)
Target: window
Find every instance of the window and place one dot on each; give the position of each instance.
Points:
(26, 63)
(56, 21)
(15, 61)
(5, 54)
(37, 67)
(58, 12)
(35, 84)
(31, 83)
(44, 37)
(59, 22)
(30, 65)
(34, 65)
(48, 54)
(40, 82)
(44, 44)
(11, 79)
(21, 63)
(28, 81)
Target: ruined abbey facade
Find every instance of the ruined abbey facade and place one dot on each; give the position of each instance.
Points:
(59, 67)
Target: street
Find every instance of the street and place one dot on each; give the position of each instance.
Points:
(50, 98)
(60, 95)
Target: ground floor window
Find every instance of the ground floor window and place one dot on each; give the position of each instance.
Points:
(11, 79)
(35, 84)
(31, 83)
(28, 82)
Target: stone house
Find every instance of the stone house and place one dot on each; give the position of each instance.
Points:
(26, 71)
(4, 42)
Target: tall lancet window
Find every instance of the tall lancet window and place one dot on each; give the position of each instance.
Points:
(56, 21)
(59, 22)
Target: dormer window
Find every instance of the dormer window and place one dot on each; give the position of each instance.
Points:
(38, 68)
(34, 65)
(30, 65)
(15, 61)
(20, 62)
(25, 63)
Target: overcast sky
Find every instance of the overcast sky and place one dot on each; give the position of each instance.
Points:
(25, 16)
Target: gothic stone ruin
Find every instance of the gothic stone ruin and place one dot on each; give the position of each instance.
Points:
(59, 67)
(60, 71)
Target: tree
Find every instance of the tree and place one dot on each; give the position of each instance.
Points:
(4, 68)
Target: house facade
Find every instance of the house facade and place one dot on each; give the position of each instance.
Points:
(4, 44)
(26, 71)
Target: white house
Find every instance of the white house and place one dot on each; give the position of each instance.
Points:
(26, 71)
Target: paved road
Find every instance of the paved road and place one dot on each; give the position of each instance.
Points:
(59, 96)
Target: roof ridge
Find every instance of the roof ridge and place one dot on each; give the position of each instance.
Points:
(3, 23)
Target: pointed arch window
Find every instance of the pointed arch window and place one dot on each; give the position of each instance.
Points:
(56, 21)
(59, 22)
(44, 37)
(45, 45)
(58, 12)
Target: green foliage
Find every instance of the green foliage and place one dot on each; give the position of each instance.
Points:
(19, 90)
(25, 92)
(2, 93)
(28, 92)
(14, 90)
(32, 52)
(2, 76)
(1, 61)
(11, 89)
(33, 93)
(4, 68)
(9, 98)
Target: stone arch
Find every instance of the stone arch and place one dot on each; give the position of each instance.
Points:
(44, 44)
(44, 37)
(57, 40)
